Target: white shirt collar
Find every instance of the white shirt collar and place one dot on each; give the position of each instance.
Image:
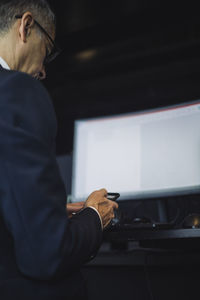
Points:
(4, 64)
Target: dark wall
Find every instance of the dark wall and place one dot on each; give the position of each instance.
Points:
(122, 56)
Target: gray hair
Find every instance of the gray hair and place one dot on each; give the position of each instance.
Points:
(40, 10)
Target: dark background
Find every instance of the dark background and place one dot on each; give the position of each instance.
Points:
(122, 56)
(125, 56)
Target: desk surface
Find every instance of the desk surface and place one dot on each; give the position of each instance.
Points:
(153, 234)
(163, 247)
(164, 238)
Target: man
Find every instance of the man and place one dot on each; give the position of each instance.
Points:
(41, 248)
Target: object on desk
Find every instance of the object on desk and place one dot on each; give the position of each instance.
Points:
(124, 227)
(141, 220)
(113, 196)
(119, 218)
(191, 221)
(123, 222)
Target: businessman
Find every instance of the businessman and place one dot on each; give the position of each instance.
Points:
(41, 247)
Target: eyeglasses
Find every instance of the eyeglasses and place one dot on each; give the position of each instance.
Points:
(55, 50)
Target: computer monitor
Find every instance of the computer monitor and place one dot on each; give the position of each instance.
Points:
(142, 155)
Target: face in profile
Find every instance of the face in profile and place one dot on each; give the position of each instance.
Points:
(35, 46)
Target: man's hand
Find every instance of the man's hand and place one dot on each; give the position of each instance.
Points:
(104, 206)
(74, 208)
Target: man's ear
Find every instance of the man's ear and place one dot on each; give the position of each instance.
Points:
(26, 25)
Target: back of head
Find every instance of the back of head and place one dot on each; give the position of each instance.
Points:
(40, 10)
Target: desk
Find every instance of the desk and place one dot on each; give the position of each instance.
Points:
(167, 272)
(157, 238)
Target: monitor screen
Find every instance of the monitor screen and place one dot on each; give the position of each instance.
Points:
(141, 155)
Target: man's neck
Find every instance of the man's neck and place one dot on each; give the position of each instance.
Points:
(7, 49)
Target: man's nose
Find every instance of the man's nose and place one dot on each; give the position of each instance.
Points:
(42, 74)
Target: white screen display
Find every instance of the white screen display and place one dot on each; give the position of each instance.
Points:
(140, 155)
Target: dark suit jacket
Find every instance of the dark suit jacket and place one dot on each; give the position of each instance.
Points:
(40, 248)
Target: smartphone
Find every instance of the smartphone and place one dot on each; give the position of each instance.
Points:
(113, 196)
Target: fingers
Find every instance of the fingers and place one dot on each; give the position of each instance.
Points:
(104, 191)
(114, 204)
(105, 207)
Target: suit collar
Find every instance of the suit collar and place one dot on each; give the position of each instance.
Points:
(4, 64)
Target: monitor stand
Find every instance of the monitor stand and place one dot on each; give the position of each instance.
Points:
(162, 211)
